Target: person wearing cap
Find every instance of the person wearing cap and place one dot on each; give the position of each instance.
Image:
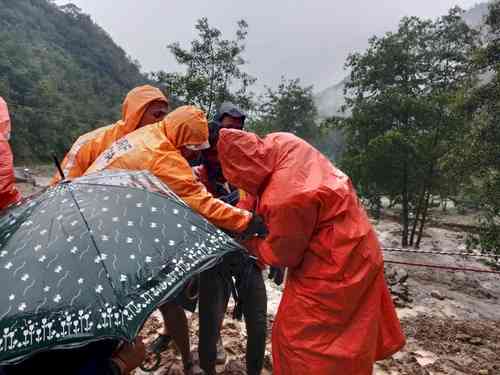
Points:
(216, 284)
(8, 191)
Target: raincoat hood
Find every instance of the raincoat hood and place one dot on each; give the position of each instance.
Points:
(4, 121)
(247, 160)
(135, 104)
(187, 125)
(230, 109)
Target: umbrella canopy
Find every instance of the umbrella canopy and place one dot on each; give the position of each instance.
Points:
(93, 258)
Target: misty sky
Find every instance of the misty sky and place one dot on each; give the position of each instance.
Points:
(309, 39)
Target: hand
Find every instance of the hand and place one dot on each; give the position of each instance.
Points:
(256, 228)
(277, 274)
(130, 355)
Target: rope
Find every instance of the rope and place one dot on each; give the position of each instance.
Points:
(395, 249)
(449, 268)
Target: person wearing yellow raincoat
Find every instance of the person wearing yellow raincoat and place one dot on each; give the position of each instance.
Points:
(159, 148)
(142, 106)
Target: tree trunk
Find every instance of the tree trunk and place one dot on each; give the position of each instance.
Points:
(424, 218)
(417, 215)
(404, 239)
(444, 204)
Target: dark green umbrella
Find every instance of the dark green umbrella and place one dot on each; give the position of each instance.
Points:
(93, 258)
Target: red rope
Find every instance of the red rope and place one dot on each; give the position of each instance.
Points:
(397, 249)
(449, 268)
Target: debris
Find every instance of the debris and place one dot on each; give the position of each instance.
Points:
(425, 358)
(437, 295)
(476, 341)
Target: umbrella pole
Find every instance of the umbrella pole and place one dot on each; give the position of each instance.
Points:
(58, 165)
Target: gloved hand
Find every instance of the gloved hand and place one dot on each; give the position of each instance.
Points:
(277, 274)
(256, 228)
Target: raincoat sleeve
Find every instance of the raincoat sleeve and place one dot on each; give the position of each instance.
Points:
(8, 191)
(175, 171)
(247, 201)
(290, 231)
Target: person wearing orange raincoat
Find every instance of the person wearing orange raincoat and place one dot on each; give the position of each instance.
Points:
(8, 191)
(159, 148)
(336, 315)
(142, 106)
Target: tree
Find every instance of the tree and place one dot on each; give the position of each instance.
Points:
(480, 153)
(401, 95)
(213, 69)
(61, 78)
(289, 108)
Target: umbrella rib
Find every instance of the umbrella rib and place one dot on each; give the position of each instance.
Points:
(94, 243)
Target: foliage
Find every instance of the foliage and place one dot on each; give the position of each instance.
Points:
(213, 69)
(61, 74)
(402, 95)
(481, 150)
(288, 108)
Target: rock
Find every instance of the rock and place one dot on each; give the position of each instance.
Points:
(23, 175)
(476, 341)
(463, 337)
(425, 358)
(402, 275)
(235, 368)
(399, 303)
(437, 295)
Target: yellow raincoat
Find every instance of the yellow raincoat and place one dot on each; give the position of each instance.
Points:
(89, 146)
(157, 149)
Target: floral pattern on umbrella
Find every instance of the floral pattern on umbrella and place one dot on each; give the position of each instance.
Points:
(93, 258)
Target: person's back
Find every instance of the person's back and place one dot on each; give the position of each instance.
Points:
(8, 191)
(142, 106)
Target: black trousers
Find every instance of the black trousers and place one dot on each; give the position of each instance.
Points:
(215, 290)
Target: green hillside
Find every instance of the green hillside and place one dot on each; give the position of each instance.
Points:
(60, 73)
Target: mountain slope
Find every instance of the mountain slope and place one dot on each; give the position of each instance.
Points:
(60, 73)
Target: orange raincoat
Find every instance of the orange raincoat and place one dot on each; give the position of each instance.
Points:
(89, 146)
(156, 148)
(8, 192)
(336, 315)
